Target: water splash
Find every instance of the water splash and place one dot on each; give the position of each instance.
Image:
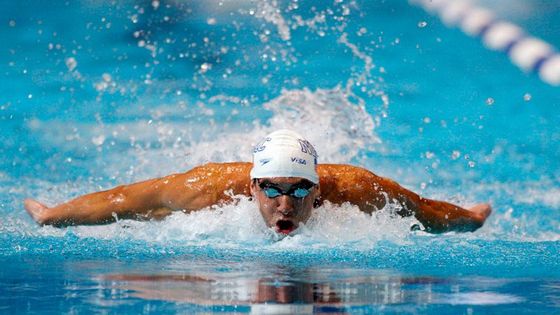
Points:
(241, 225)
(339, 128)
(269, 11)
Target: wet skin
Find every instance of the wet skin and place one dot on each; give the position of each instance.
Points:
(216, 183)
(284, 213)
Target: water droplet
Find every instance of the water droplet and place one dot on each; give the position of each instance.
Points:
(205, 67)
(71, 63)
(211, 21)
(472, 164)
(98, 141)
(106, 77)
(489, 101)
(527, 97)
(422, 24)
(12, 23)
(455, 155)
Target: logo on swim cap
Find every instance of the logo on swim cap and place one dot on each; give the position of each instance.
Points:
(285, 153)
(264, 161)
(261, 145)
(306, 147)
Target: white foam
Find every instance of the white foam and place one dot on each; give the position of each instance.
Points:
(241, 224)
(221, 226)
(476, 298)
(340, 128)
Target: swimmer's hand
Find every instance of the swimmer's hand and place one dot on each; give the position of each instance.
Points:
(36, 210)
(481, 212)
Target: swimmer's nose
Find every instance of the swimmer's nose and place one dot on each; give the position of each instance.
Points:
(285, 205)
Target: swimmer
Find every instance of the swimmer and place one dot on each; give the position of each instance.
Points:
(285, 182)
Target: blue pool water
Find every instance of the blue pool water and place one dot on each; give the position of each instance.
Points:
(95, 94)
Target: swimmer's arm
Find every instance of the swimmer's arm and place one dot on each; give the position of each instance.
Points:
(198, 188)
(139, 200)
(340, 183)
(440, 216)
(436, 216)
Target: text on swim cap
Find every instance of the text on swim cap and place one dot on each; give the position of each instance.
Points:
(299, 160)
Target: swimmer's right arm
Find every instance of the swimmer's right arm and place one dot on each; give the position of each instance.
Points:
(198, 188)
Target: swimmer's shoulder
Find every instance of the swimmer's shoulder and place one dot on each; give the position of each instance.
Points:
(232, 173)
(341, 176)
(224, 167)
(342, 170)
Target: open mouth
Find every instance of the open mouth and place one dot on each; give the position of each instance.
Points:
(285, 226)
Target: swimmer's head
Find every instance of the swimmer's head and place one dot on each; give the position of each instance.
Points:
(284, 180)
(285, 153)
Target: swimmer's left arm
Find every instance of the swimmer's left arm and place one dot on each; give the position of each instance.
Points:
(436, 216)
(370, 192)
(440, 216)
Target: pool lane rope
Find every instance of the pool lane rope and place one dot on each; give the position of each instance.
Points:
(527, 52)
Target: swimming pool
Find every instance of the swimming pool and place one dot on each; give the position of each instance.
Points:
(96, 94)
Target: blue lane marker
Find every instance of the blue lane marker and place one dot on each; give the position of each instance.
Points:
(527, 52)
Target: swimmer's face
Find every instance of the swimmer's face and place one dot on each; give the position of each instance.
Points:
(281, 203)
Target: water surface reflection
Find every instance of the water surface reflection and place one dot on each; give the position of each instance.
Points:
(285, 290)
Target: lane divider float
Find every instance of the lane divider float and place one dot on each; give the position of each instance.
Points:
(525, 51)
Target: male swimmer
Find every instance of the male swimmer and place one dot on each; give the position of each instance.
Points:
(284, 180)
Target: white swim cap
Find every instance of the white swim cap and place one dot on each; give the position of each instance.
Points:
(285, 153)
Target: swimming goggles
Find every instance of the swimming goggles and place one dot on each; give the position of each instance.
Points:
(299, 190)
